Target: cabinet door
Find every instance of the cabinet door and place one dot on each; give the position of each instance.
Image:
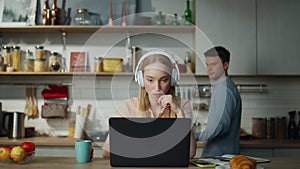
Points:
(278, 37)
(230, 23)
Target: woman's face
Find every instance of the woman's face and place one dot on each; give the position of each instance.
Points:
(157, 80)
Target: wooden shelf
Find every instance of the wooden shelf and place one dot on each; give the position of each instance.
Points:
(60, 78)
(92, 29)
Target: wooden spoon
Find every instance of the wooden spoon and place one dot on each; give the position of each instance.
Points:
(35, 108)
(27, 100)
(29, 108)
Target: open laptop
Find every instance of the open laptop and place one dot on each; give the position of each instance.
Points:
(149, 142)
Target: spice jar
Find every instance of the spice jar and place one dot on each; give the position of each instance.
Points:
(6, 55)
(28, 65)
(281, 127)
(40, 65)
(39, 52)
(16, 56)
(258, 128)
(82, 17)
(98, 65)
(54, 62)
(270, 128)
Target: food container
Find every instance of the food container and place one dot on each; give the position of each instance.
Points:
(28, 65)
(259, 128)
(40, 65)
(98, 64)
(16, 56)
(112, 64)
(24, 158)
(39, 52)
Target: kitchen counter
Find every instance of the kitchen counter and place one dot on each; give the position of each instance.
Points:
(67, 142)
(99, 163)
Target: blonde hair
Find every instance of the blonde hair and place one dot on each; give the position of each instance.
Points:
(143, 99)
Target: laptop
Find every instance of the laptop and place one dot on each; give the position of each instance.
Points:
(149, 142)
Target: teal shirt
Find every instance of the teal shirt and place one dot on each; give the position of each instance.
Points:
(222, 133)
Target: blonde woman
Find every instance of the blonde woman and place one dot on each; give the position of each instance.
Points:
(156, 74)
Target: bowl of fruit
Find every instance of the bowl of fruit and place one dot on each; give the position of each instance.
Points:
(20, 154)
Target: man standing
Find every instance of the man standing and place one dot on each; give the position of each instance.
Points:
(222, 133)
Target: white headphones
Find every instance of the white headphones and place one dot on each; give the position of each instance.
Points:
(175, 76)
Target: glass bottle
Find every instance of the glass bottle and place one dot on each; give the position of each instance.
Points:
(68, 17)
(82, 17)
(128, 46)
(46, 13)
(62, 17)
(175, 21)
(197, 130)
(292, 128)
(188, 12)
(54, 13)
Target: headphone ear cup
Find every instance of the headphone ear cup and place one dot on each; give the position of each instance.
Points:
(174, 77)
(140, 78)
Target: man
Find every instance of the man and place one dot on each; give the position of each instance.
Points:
(221, 135)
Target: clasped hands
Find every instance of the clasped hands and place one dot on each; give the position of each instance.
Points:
(169, 107)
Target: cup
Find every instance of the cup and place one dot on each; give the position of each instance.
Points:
(83, 150)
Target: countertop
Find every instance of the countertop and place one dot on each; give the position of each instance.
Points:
(67, 142)
(99, 163)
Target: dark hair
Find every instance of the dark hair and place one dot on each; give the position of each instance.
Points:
(220, 51)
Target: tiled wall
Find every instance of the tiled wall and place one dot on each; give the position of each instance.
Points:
(283, 96)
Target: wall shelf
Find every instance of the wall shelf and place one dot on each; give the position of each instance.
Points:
(92, 29)
(60, 78)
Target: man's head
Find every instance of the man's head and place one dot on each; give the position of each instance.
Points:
(217, 62)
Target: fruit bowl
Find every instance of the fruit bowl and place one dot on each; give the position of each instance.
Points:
(19, 158)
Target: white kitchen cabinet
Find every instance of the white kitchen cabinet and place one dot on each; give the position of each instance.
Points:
(278, 37)
(232, 24)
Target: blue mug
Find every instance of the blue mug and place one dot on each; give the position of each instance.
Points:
(83, 149)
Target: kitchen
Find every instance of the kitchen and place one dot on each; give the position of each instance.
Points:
(252, 30)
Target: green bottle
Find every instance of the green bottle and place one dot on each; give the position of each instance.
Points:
(188, 12)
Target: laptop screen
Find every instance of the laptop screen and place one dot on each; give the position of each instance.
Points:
(147, 142)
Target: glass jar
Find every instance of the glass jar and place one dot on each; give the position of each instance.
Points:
(54, 62)
(39, 52)
(6, 55)
(39, 65)
(16, 56)
(28, 65)
(98, 65)
(82, 17)
(159, 18)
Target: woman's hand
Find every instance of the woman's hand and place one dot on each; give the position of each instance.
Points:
(166, 101)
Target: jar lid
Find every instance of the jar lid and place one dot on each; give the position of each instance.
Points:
(81, 10)
(6, 47)
(54, 53)
(39, 47)
(98, 58)
(16, 47)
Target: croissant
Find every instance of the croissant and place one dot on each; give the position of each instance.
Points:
(242, 162)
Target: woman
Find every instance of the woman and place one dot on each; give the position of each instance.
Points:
(156, 76)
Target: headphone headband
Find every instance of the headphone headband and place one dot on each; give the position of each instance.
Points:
(165, 53)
